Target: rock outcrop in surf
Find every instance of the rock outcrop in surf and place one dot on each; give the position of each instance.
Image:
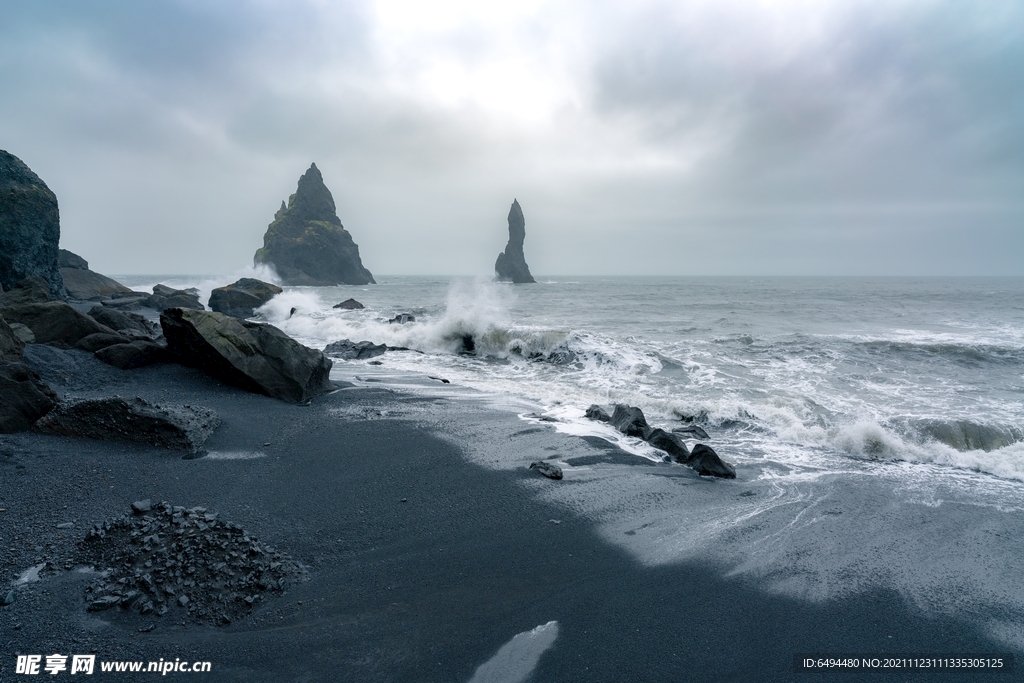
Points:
(29, 227)
(511, 264)
(307, 244)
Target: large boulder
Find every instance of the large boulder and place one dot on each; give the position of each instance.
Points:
(100, 340)
(670, 443)
(630, 421)
(84, 284)
(123, 322)
(183, 428)
(24, 398)
(29, 227)
(511, 264)
(307, 244)
(254, 356)
(31, 290)
(707, 463)
(350, 350)
(54, 322)
(136, 354)
(242, 298)
(165, 297)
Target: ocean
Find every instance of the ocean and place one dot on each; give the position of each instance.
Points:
(876, 424)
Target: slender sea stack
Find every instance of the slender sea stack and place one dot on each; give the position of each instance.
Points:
(307, 244)
(29, 227)
(511, 263)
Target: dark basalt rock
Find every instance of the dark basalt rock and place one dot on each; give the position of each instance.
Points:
(123, 322)
(596, 412)
(511, 264)
(69, 259)
(349, 305)
(11, 345)
(547, 469)
(670, 443)
(161, 558)
(254, 356)
(307, 244)
(24, 398)
(83, 284)
(29, 227)
(403, 318)
(630, 421)
(349, 350)
(54, 322)
(181, 428)
(136, 354)
(707, 463)
(100, 340)
(240, 299)
(165, 297)
(31, 290)
(691, 429)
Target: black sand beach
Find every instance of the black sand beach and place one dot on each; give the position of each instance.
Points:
(421, 563)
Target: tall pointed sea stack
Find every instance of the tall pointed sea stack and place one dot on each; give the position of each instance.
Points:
(511, 263)
(29, 227)
(307, 244)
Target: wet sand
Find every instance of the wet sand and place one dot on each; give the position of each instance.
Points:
(421, 563)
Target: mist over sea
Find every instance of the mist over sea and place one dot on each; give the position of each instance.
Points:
(877, 424)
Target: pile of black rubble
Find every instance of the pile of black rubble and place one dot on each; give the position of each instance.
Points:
(164, 557)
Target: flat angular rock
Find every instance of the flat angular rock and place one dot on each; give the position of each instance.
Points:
(24, 398)
(11, 344)
(23, 333)
(54, 321)
(135, 354)
(349, 305)
(596, 412)
(29, 227)
(547, 469)
(240, 299)
(165, 297)
(182, 428)
(706, 462)
(670, 443)
(141, 507)
(100, 340)
(122, 321)
(630, 421)
(104, 602)
(349, 350)
(692, 429)
(254, 356)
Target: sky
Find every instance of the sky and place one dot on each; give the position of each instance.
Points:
(641, 138)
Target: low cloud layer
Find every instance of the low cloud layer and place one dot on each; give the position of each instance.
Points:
(640, 138)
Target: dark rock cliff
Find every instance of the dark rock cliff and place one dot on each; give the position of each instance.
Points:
(511, 264)
(307, 244)
(29, 227)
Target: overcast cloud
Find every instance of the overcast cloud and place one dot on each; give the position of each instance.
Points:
(640, 138)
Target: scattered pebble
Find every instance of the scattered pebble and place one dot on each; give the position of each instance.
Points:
(209, 570)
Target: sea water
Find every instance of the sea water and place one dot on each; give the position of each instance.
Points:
(877, 424)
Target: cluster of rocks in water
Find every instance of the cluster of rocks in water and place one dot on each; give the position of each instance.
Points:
(631, 421)
(161, 558)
